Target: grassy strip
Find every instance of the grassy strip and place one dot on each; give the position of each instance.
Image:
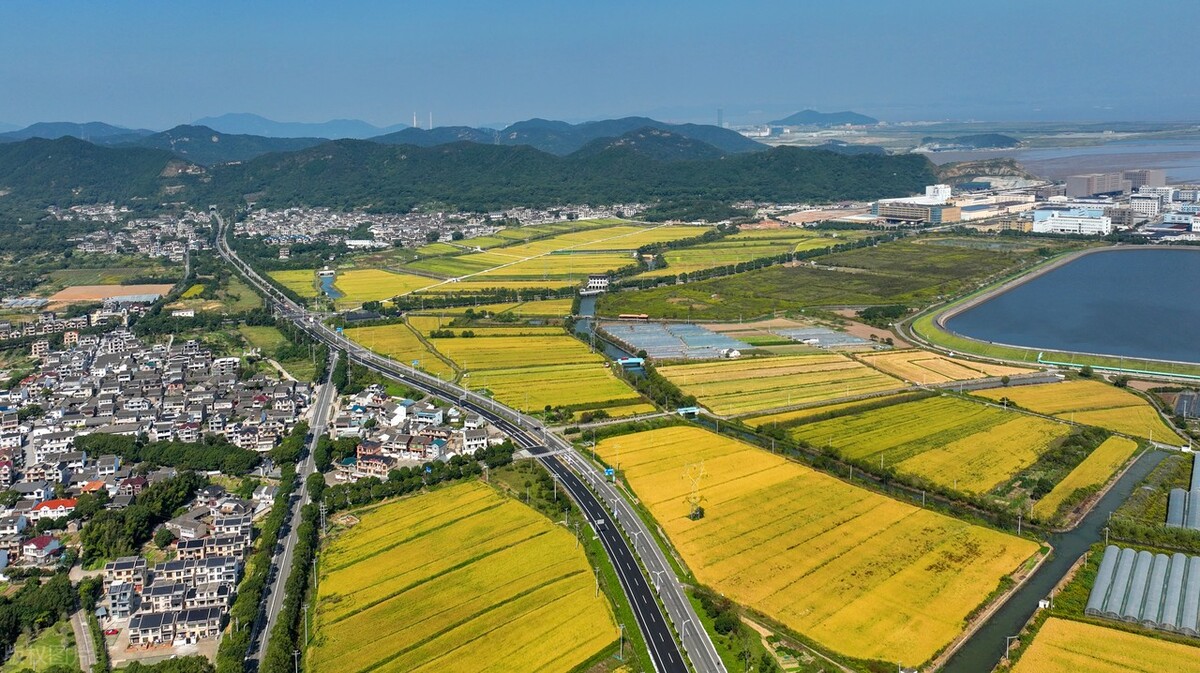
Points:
(926, 327)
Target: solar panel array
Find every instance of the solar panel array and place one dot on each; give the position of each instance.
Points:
(1154, 590)
(824, 338)
(672, 341)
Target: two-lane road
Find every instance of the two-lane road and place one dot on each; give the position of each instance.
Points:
(282, 560)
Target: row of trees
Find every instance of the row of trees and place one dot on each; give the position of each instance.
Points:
(231, 655)
(214, 453)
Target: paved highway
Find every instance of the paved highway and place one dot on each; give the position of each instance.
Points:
(282, 560)
(664, 649)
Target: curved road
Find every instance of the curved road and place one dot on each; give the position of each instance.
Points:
(652, 622)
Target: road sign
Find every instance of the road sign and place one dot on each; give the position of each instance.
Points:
(416, 362)
(608, 472)
(428, 470)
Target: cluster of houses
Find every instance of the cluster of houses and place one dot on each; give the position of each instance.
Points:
(50, 490)
(185, 599)
(394, 432)
(163, 236)
(115, 384)
(308, 225)
(113, 313)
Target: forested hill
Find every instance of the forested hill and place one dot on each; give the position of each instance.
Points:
(36, 173)
(469, 176)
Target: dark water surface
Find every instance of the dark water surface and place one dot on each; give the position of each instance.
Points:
(1130, 302)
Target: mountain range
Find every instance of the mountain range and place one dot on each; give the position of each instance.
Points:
(208, 146)
(643, 165)
(245, 123)
(825, 119)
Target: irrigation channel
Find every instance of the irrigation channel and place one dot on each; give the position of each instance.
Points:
(983, 650)
(585, 327)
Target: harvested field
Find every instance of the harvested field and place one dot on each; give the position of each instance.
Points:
(1093, 472)
(925, 368)
(1065, 646)
(429, 581)
(859, 573)
(956, 443)
(1091, 403)
(743, 386)
(79, 293)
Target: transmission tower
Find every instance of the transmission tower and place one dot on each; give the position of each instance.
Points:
(694, 472)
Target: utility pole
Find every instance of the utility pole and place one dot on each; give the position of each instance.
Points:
(306, 623)
(296, 659)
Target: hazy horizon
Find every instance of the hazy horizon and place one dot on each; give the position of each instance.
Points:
(157, 66)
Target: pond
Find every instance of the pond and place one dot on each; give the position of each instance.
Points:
(1125, 302)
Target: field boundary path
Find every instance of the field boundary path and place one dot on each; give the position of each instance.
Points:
(666, 655)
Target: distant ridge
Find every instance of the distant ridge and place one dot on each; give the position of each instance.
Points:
(245, 123)
(205, 146)
(561, 138)
(92, 131)
(814, 118)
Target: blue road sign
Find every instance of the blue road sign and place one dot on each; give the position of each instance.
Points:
(608, 472)
(428, 470)
(416, 362)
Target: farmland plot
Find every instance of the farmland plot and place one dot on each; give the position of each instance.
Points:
(421, 583)
(925, 368)
(400, 343)
(1094, 471)
(530, 372)
(1065, 646)
(952, 442)
(860, 573)
(300, 281)
(731, 387)
(1091, 403)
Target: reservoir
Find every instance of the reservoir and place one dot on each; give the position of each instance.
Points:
(1128, 302)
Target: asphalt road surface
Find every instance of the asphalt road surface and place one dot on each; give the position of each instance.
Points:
(281, 562)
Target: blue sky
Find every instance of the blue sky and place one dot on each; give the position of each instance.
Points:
(157, 64)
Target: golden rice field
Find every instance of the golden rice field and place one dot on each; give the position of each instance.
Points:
(624, 410)
(732, 387)
(964, 445)
(530, 372)
(596, 250)
(481, 283)
(506, 352)
(1091, 403)
(859, 573)
(363, 285)
(743, 248)
(1095, 470)
(300, 281)
(1065, 646)
(458, 576)
(543, 308)
(427, 323)
(399, 342)
(924, 367)
(193, 291)
(800, 415)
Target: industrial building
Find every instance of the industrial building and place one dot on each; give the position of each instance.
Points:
(1079, 220)
(1093, 184)
(933, 208)
(1145, 177)
(1155, 590)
